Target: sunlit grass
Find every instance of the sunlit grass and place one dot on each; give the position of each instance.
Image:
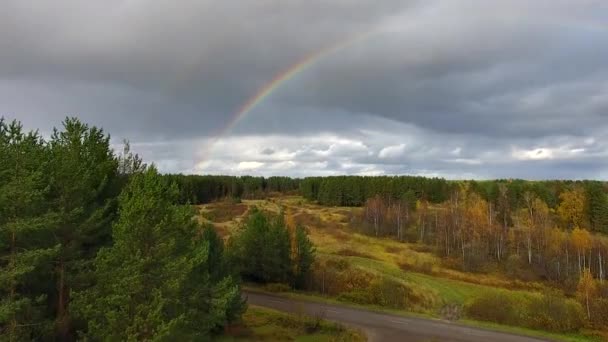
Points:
(261, 324)
(331, 231)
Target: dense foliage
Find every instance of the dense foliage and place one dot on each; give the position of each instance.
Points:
(195, 189)
(157, 280)
(356, 190)
(95, 245)
(267, 250)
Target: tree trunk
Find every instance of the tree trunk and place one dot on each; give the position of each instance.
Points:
(529, 245)
(12, 326)
(587, 301)
(567, 263)
(601, 268)
(63, 321)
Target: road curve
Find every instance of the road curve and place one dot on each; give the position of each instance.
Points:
(385, 327)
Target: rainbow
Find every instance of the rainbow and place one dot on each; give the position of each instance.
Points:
(280, 78)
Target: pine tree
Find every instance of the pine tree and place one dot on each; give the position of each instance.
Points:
(83, 173)
(25, 248)
(304, 256)
(598, 207)
(262, 250)
(155, 281)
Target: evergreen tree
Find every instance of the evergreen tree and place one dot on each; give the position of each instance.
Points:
(82, 187)
(262, 250)
(25, 248)
(155, 281)
(598, 207)
(304, 256)
(277, 262)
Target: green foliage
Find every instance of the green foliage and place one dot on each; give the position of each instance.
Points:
(262, 251)
(158, 281)
(26, 250)
(195, 189)
(304, 256)
(82, 172)
(597, 203)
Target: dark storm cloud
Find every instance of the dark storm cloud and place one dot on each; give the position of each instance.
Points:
(203, 57)
(526, 72)
(448, 88)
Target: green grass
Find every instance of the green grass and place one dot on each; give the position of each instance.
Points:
(261, 324)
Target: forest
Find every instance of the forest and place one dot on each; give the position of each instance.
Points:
(97, 245)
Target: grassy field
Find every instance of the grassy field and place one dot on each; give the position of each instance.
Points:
(330, 229)
(260, 324)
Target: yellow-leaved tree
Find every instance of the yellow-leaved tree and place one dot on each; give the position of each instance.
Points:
(586, 290)
(572, 209)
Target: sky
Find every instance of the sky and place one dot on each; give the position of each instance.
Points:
(455, 89)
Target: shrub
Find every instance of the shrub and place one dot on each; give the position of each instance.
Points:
(277, 287)
(494, 306)
(382, 292)
(549, 311)
(390, 293)
(599, 313)
(553, 312)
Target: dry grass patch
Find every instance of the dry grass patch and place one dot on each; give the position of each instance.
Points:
(224, 211)
(394, 249)
(351, 252)
(306, 219)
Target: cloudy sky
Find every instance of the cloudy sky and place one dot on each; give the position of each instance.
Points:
(457, 89)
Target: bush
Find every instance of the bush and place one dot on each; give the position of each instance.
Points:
(277, 287)
(550, 311)
(553, 312)
(599, 313)
(390, 293)
(494, 306)
(382, 292)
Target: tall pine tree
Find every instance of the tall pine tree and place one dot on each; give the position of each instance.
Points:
(156, 281)
(25, 250)
(83, 173)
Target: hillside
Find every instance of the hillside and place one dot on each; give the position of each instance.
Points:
(402, 276)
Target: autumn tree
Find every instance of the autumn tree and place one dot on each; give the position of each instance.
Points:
(581, 240)
(374, 212)
(573, 209)
(586, 290)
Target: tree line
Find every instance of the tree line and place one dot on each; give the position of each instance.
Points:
(530, 242)
(197, 189)
(97, 245)
(357, 190)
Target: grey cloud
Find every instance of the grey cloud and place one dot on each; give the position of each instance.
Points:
(485, 79)
(267, 151)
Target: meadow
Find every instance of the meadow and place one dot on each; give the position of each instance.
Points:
(430, 287)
